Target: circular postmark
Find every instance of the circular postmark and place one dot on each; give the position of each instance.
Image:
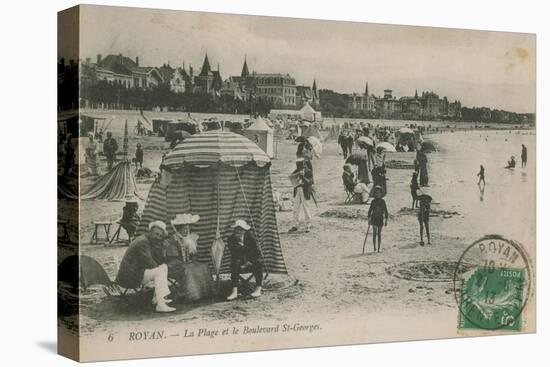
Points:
(492, 283)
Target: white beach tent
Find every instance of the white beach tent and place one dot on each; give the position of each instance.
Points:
(308, 113)
(261, 134)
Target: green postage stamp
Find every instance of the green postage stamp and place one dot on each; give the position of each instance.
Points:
(492, 285)
(492, 299)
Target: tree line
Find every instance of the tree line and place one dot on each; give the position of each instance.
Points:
(108, 95)
(337, 105)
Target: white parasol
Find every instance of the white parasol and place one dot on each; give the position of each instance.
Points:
(365, 140)
(317, 146)
(386, 147)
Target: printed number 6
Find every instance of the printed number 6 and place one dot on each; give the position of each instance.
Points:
(110, 337)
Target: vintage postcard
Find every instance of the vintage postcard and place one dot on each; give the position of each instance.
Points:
(237, 183)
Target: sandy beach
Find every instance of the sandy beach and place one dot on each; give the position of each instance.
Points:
(328, 274)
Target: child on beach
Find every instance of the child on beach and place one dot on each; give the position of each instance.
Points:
(377, 217)
(424, 217)
(481, 175)
(511, 162)
(414, 188)
(523, 156)
(139, 156)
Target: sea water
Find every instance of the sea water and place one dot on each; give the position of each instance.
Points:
(506, 204)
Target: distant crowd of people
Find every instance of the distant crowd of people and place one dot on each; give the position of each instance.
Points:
(110, 149)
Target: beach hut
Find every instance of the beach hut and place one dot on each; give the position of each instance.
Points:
(261, 134)
(308, 113)
(221, 176)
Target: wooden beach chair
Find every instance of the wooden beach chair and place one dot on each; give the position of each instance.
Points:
(352, 197)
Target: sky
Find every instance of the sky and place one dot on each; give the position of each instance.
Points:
(479, 68)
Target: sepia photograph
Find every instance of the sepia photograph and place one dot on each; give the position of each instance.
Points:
(236, 183)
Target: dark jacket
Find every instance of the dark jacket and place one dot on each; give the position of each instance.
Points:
(171, 254)
(304, 150)
(249, 251)
(136, 260)
(307, 183)
(350, 140)
(110, 147)
(342, 140)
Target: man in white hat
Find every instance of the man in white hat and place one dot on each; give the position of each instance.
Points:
(245, 257)
(138, 266)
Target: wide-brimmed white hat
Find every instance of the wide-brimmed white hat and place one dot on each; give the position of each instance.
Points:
(241, 223)
(186, 218)
(158, 224)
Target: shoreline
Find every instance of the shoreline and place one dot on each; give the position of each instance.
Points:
(328, 121)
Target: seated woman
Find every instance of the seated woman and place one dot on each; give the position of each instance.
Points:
(352, 185)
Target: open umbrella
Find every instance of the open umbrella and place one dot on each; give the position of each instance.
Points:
(317, 146)
(365, 140)
(214, 147)
(386, 147)
(406, 130)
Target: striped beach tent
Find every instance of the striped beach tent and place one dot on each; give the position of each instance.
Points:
(221, 176)
(118, 183)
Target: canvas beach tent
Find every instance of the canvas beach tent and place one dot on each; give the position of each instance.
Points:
(220, 176)
(118, 183)
(308, 113)
(261, 134)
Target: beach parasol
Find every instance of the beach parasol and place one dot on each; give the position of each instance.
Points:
(213, 147)
(317, 146)
(386, 147)
(406, 130)
(365, 140)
